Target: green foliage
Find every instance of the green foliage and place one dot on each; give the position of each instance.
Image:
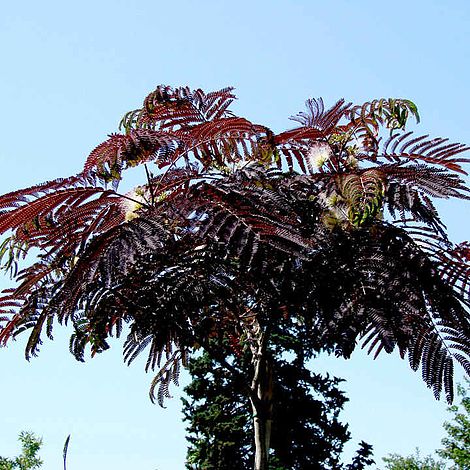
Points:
(457, 443)
(217, 415)
(412, 462)
(28, 459)
(456, 449)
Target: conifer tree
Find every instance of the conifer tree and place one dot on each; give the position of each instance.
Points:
(306, 430)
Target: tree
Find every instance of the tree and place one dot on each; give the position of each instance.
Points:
(412, 462)
(28, 459)
(457, 443)
(330, 224)
(306, 431)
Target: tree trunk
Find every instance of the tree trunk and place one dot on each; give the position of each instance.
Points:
(261, 404)
(262, 432)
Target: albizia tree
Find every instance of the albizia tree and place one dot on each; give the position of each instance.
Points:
(329, 227)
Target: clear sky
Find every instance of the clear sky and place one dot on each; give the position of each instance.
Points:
(69, 71)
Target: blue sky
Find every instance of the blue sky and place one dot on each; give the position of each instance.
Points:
(69, 71)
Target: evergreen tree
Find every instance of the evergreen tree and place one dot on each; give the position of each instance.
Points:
(306, 431)
(216, 412)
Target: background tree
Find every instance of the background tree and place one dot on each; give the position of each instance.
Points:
(28, 459)
(412, 462)
(330, 224)
(457, 443)
(456, 449)
(306, 430)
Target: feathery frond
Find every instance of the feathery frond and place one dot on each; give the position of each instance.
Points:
(236, 227)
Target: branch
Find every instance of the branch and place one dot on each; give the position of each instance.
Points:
(220, 358)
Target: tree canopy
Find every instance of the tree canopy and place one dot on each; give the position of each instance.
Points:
(28, 458)
(412, 462)
(330, 225)
(456, 450)
(457, 442)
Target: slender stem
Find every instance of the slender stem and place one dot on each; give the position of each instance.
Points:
(262, 411)
(259, 392)
(149, 181)
(142, 203)
(66, 448)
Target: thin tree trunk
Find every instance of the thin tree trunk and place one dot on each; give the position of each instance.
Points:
(262, 432)
(261, 454)
(262, 405)
(259, 392)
